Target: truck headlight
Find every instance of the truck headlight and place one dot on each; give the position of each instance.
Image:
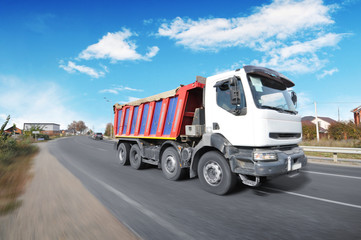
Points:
(264, 156)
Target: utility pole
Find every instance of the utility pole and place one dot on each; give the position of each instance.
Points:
(317, 133)
(338, 111)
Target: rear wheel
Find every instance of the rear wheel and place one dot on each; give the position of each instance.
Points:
(215, 174)
(171, 164)
(135, 157)
(123, 153)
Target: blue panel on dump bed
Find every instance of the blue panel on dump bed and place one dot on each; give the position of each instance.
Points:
(144, 118)
(158, 108)
(126, 121)
(119, 118)
(134, 121)
(170, 115)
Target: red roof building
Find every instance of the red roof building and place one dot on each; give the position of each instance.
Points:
(356, 115)
(13, 130)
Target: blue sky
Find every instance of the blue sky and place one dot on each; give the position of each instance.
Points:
(72, 60)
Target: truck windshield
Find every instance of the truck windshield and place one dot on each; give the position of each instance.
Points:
(269, 94)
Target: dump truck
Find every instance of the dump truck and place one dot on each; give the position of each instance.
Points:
(241, 124)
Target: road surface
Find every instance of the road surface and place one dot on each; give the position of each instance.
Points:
(322, 202)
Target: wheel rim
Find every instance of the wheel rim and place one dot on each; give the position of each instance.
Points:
(136, 157)
(212, 173)
(170, 164)
(121, 155)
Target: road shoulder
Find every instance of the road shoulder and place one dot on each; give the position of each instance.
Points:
(57, 206)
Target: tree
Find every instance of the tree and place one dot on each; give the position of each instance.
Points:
(77, 126)
(108, 130)
(72, 127)
(3, 135)
(81, 127)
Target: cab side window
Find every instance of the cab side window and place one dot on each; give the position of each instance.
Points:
(224, 97)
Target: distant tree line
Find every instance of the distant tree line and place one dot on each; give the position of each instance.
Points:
(108, 130)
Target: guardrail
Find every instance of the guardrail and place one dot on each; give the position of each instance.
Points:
(334, 151)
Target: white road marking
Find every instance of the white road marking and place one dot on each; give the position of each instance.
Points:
(311, 197)
(167, 225)
(334, 175)
(145, 211)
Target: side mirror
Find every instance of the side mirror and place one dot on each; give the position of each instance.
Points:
(235, 93)
(294, 98)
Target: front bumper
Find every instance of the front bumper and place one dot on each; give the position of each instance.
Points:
(288, 160)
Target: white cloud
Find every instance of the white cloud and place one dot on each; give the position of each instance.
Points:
(130, 99)
(122, 88)
(118, 89)
(327, 73)
(152, 51)
(72, 68)
(108, 91)
(117, 47)
(272, 29)
(34, 102)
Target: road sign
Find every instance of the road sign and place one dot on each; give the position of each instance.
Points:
(36, 132)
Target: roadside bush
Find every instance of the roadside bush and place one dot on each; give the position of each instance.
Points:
(15, 162)
(344, 131)
(11, 149)
(308, 131)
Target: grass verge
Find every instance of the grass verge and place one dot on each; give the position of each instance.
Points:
(330, 155)
(351, 143)
(15, 162)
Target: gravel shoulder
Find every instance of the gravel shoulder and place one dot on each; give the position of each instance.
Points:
(57, 206)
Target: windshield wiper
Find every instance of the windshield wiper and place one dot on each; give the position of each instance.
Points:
(278, 109)
(273, 108)
(290, 111)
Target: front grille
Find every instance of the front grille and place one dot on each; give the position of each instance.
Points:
(285, 135)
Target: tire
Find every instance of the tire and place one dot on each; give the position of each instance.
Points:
(215, 174)
(123, 153)
(135, 157)
(171, 164)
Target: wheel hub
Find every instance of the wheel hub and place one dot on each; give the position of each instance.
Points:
(212, 173)
(170, 164)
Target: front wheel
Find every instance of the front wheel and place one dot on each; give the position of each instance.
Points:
(215, 174)
(135, 157)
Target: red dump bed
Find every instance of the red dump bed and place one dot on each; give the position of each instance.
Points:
(162, 116)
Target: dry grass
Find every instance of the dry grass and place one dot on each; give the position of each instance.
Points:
(330, 155)
(14, 174)
(333, 143)
(352, 143)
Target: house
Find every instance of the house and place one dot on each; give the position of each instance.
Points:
(13, 130)
(356, 115)
(323, 123)
(47, 128)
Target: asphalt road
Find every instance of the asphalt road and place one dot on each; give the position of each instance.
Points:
(322, 202)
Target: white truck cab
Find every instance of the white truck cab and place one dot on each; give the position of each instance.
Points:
(250, 118)
(264, 116)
